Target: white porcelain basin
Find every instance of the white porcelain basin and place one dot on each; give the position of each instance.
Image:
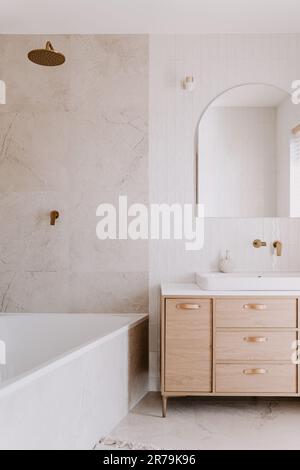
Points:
(249, 281)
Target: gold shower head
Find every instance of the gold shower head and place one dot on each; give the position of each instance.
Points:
(48, 56)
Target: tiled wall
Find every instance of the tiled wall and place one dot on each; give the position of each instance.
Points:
(70, 138)
(218, 62)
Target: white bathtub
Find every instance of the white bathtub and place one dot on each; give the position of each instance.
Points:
(69, 379)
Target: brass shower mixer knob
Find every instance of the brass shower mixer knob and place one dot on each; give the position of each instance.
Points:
(54, 215)
(259, 244)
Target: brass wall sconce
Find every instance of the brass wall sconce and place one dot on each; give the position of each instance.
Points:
(54, 215)
(188, 83)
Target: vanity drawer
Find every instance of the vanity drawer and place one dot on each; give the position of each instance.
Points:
(254, 345)
(258, 378)
(198, 309)
(256, 313)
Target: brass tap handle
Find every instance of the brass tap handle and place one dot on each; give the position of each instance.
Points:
(259, 243)
(278, 247)
(54, 215)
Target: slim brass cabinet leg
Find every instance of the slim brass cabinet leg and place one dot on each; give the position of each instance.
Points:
(164, 406)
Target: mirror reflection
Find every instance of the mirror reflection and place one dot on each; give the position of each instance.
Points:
(249, 154)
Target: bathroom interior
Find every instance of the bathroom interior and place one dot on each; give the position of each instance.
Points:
(142, 342)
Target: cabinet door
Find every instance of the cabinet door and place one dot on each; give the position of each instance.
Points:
(188, 345)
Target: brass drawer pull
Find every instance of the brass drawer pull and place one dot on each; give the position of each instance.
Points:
(188, 306)
(255, 307)
(255, 372)
(256, 339)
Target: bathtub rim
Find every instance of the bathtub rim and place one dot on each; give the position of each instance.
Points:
(21, 380)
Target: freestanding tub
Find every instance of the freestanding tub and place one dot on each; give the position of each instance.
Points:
(69, 379)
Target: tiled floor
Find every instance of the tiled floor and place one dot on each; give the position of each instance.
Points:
(197, 423)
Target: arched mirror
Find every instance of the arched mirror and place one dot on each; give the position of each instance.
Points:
(248, 162)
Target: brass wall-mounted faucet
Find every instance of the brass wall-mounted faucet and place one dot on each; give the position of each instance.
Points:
(54, 215)
(259, 244)
(278, 247)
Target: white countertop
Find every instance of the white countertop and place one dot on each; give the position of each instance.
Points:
(192, 290)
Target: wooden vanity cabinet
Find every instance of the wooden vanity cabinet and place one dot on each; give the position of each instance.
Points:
(239, 346)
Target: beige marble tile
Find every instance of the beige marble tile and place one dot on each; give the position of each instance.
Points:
(34, 292)
(88, 254)
(6, 283)
(11, 233)
(109, 122)
(109, 293)
(108, 151)
(33, 149)
(109, 72)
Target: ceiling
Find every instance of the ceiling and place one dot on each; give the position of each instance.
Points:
(149, 16)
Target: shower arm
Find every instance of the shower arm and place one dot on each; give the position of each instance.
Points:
(49, 46)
